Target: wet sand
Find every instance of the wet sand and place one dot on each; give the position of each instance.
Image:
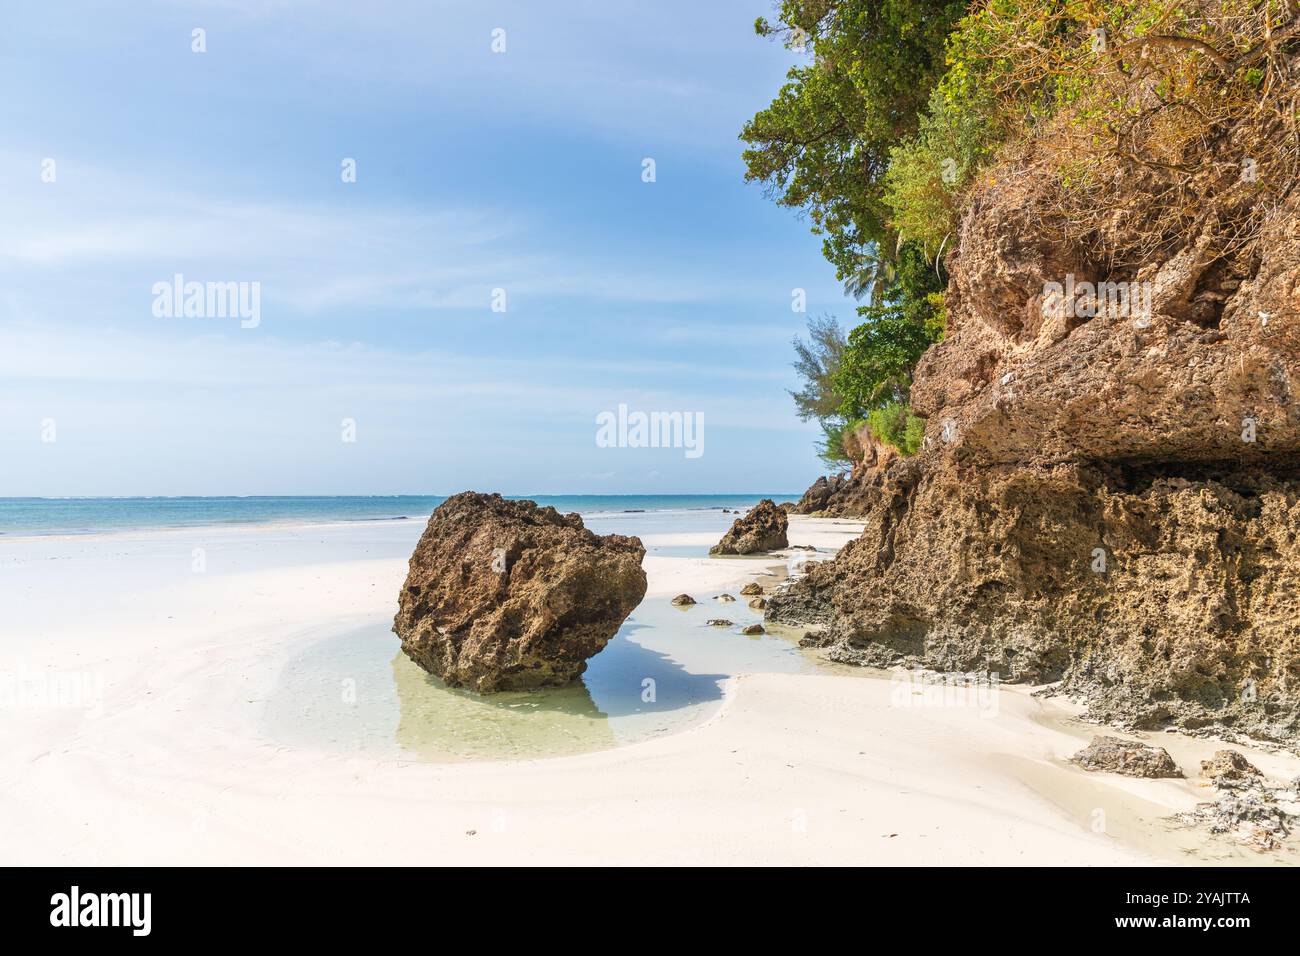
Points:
(157, 745)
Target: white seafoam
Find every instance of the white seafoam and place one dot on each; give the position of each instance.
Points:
(176, 764)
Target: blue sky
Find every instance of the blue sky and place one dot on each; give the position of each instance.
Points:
(476, 171)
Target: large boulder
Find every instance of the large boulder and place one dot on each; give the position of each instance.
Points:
(504, 595)
(763, 529)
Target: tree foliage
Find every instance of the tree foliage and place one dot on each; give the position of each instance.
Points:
(823, 145)
(1151, 122)
(818, 362)
(876, 367)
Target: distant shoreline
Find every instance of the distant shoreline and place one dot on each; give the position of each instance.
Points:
(83, 516)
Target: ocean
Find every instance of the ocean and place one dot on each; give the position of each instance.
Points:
(41, 516)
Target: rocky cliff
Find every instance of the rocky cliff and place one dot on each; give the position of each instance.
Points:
(1109, 490)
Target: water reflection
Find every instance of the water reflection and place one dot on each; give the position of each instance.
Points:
(663, 672)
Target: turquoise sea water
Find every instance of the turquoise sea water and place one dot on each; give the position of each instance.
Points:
(27, 516)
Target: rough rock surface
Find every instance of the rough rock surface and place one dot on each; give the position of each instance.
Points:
(1248, 809)
(1228, 768)
(1130, 759)
(763, 529)
(1108, 501)
(839, 496)
(683, 600)
(504, 595)
(848, 495)
(751, 589)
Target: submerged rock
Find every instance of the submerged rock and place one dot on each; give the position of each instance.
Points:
(725, 598)
(752, 630)
(763, 529)
(719, 622)
(504, 595)
(683, 600)
(1130, 759)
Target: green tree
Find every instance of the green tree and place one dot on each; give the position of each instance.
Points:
(823, 145)
(818, 361)
(876, 367)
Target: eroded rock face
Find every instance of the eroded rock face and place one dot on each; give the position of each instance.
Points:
(1130, 759)
(1227, 768)
(837, 496)
(1108, 500)
(504, 595)
(763, 529)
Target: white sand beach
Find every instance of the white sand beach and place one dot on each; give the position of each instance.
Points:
(133, 734)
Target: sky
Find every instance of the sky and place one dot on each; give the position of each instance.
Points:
(499, 274)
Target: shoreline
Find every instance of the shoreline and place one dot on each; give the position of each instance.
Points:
(283, 522)
(788, 767)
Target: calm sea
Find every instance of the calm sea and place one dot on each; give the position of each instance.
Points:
(27, 516)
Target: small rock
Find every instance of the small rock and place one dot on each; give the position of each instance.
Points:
(1229, 768)
(1130, 759)
(719, 622)
(683, 600)
(753, 629)
(758, 604)
(752, 588)
(725, 598)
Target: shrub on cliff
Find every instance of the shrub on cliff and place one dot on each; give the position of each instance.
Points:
(896, 424)
(1155, 119)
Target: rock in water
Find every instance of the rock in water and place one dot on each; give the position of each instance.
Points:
(763, 529)
(504, 595)
(683, 600)
(1130, 759)
(752, 588)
